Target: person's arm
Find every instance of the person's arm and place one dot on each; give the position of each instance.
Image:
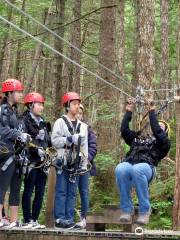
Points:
(127, 134)
(161, 136)
(5, 131)
(92, 144)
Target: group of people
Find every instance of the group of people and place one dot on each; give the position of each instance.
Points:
(24, 140)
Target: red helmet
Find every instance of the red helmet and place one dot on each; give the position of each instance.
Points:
(70, 96)
(11, 85)
(33, 97)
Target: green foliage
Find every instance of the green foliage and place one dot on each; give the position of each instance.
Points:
(161, 217)
(104, 162)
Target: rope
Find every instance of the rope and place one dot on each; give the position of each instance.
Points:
(70, 44)
(3, 149)
(64, 56)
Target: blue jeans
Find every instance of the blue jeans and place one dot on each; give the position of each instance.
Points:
(36, 180)
(137, 176)
(65, 198)
(83, 185)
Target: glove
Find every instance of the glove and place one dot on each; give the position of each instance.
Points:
(24, 137)
(41, 135)
(41, 153)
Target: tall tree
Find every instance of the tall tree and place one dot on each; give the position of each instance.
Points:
(4, 46)
(37, 54)
(121, 63)
(57, 76)
(145, 62)
(58, 64)
(176, 207)
(74, 71)
(18, 53)
(145, 65)
(164, 71)
(107, 96)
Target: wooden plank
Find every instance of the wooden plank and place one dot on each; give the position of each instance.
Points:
(54, 234)
(103, 219)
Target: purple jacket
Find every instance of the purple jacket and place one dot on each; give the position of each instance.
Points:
(92, 150)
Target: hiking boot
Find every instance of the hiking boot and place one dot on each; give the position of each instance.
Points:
(125, 218)
(143, 218)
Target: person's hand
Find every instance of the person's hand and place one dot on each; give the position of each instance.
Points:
(130, 105)
(41, 135)
(151, 105)
(41, 153)
(24, 137)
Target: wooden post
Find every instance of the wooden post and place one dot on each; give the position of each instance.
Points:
(176, 207)
(50, 198)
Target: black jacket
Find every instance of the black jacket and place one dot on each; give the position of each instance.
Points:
(10, 128)
(153, 149)
(32, 128)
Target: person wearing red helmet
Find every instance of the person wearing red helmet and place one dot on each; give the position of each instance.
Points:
(69, 137)
(11, 132)
(35, 179)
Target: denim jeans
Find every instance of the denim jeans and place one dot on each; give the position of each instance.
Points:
(137, 176)
(36, 180)
(65, 197)
(83, 186)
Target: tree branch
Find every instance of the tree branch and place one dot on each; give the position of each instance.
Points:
(64, 25)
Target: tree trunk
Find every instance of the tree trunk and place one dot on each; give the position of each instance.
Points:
(37, 54)
(74, 71)
(176, 207)
(121, 63)
(18, 54)
(164, 71)
(58, 67)
(107, 101)
(145, 65)
(5, 46)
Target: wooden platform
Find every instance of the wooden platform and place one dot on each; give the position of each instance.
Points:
(109, 215)
(53, 234)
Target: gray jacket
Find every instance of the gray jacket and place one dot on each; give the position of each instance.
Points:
(60, 133)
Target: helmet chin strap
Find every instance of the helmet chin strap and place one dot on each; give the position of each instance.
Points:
(31, 106)
(68, 106)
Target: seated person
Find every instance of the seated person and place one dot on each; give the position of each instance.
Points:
(138, 167)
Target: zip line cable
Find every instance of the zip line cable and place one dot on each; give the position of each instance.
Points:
(77, 64)
(64, 56)
(79, 50)
(68, 43)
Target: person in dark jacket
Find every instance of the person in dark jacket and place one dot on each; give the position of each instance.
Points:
(83, 180)
(36, 178)
(11, 133)
(138, 167)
